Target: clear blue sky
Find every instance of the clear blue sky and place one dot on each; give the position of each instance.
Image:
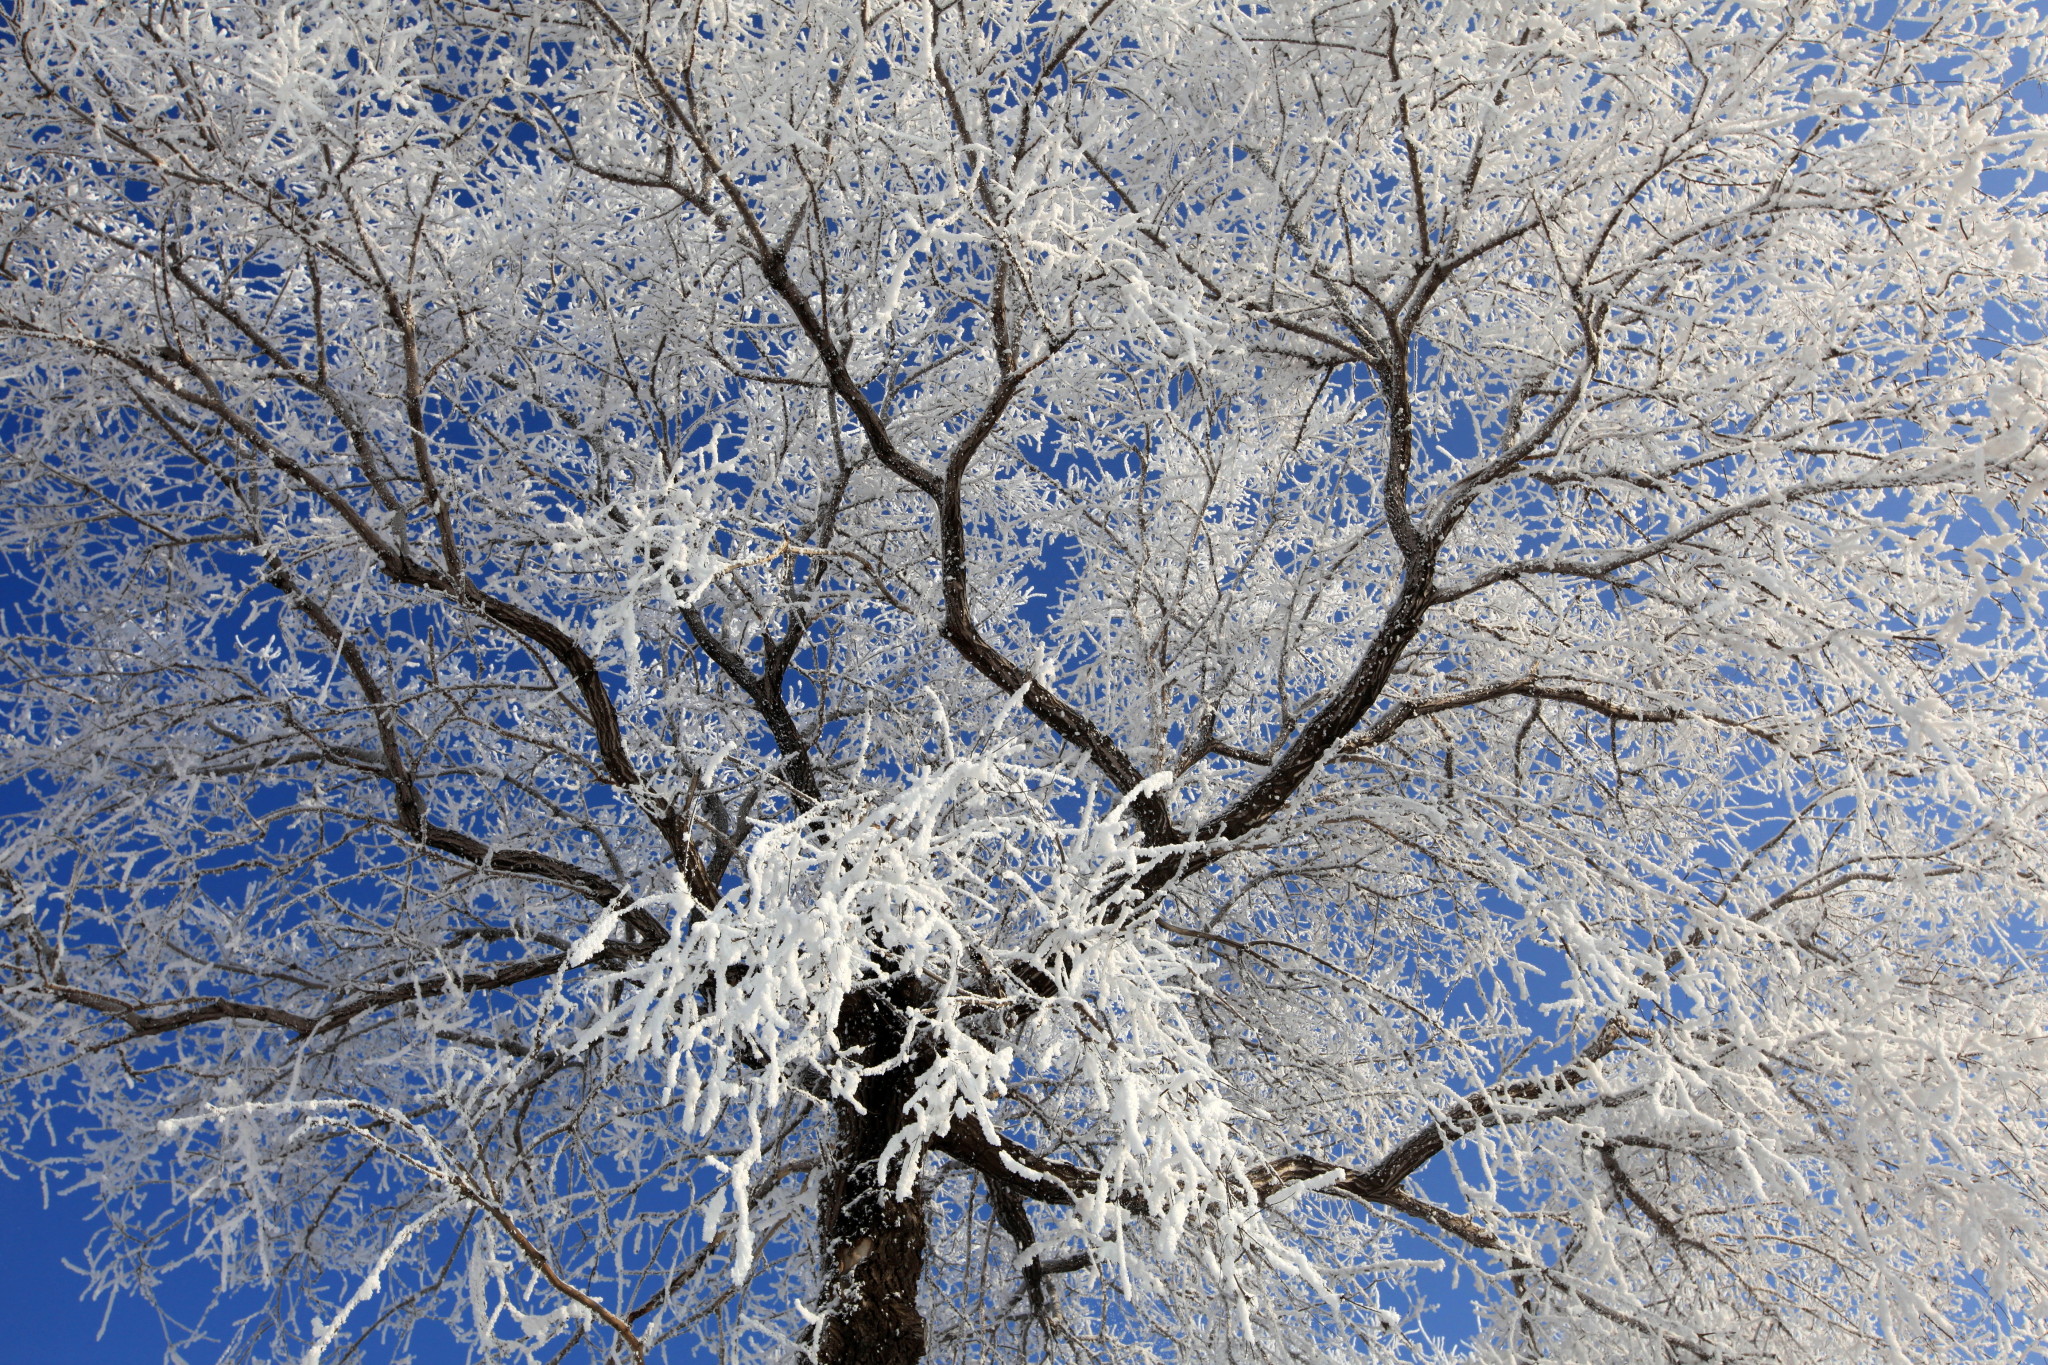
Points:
(46, 1323)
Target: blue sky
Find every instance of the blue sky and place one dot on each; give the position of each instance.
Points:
(46, 1320)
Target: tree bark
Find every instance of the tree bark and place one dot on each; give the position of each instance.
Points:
(873, 1243)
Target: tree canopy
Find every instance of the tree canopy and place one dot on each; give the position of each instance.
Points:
(860, 681)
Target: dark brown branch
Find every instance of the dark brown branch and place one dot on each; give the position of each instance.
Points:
(1276, 1178)
(962, 633)
(1015, 1219)
(1322, 731)
(1024, 1173)
(540, 1262)
(524, 862)
(400, 567)
(1600, 569)
(1406, 710)
(411, 804)
(207, 1010)
(764, 689)
(141, 1023)
(1472, 1112)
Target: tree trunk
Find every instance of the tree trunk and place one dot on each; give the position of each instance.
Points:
(872, 1242)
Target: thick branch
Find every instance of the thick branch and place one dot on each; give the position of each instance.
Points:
(1475, 1110)
(142, 1024)
(1406, 710)
(1322, 731)
(965, 636)
(1025, 1173)
(764, 689)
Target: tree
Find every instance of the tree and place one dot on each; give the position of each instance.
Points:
(867, 682)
